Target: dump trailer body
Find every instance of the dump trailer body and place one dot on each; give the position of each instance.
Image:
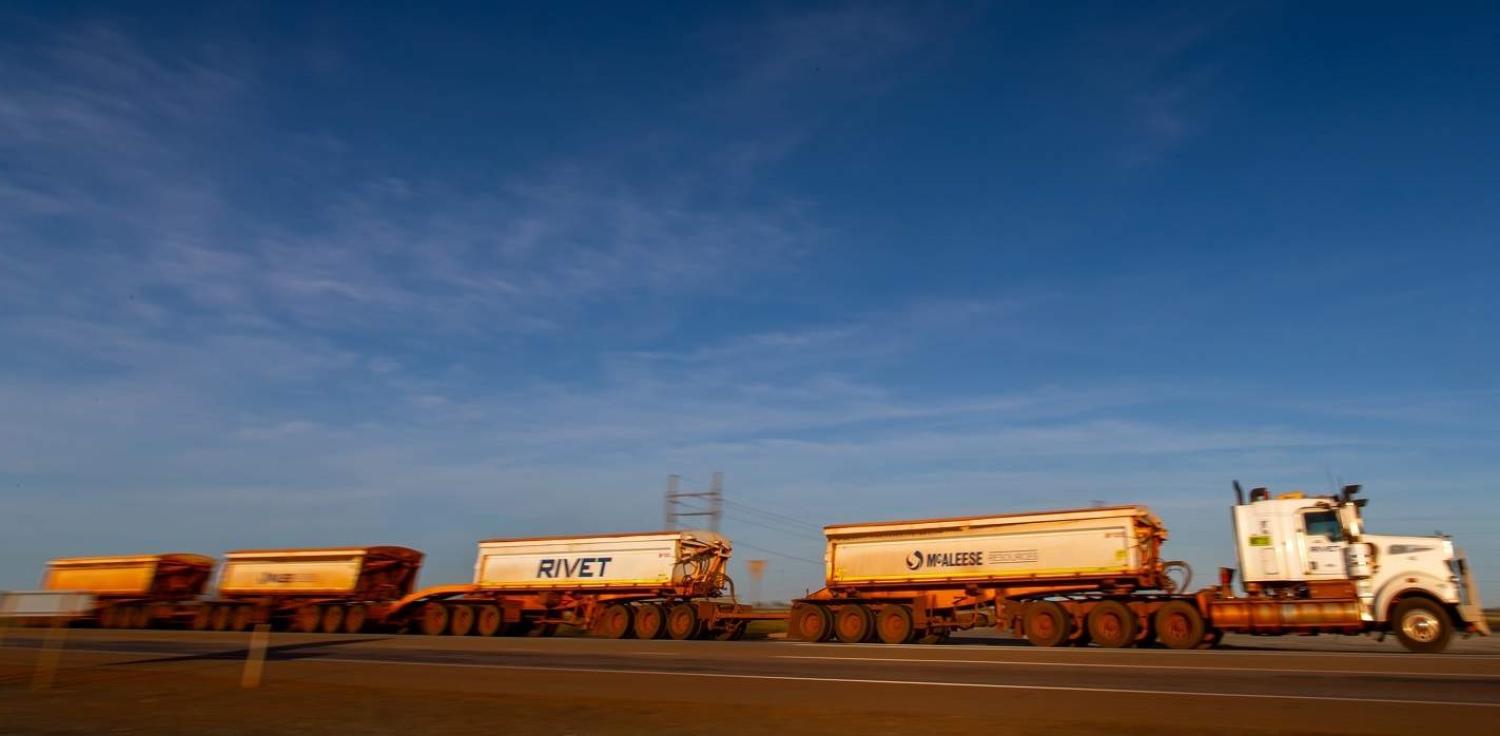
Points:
(171, 576)
(134, 591)
(678, 560)
(645, 584)
(904, 581)
(324, 589)
(357, 573)
(1119, 543)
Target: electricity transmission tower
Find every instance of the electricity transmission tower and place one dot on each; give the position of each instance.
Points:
(675, 509)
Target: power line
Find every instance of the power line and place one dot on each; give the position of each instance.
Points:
(803, 532)
(772, 514)
(778, 554)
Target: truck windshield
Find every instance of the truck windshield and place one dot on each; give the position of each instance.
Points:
(1323, 524)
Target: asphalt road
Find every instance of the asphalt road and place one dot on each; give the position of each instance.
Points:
(1313, 685)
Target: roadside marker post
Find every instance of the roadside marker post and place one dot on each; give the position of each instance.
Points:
(51, 654)
(255, 656)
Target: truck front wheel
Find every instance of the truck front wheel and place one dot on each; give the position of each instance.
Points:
(1421, 625)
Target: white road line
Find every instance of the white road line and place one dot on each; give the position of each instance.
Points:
(181, 655)
(919, 683)
(1029, 650)
(1106, 665)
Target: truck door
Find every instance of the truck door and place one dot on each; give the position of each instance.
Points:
(1324, 542)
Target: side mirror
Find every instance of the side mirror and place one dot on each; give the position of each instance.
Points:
(1350, 491)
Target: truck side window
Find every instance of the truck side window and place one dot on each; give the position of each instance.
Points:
(1323, 524)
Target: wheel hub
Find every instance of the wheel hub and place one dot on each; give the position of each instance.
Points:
(1421, 626)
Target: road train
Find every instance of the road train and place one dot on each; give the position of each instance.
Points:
(1056, 578)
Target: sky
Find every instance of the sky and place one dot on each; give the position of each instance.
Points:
(302, 275)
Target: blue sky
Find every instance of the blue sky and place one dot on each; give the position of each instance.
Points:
(296, 276)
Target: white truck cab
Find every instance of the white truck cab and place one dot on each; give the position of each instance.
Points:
(1292, 546)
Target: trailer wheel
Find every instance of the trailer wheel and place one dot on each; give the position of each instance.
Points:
(434, 621)
(202, 617)
(331, 619)
(354, 619)
(1179, 625)
(615, 622)
(240, 621)
(1111, 624)
(222, 617)
(650, 621)
(1047, 624)
(810, 622)
(683, 622)
(305, 619)
(893, 624)
(490, 621)
(853, 623)
(460, 619)
(1421, 626)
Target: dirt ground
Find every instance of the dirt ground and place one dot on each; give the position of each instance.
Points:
(212, 703)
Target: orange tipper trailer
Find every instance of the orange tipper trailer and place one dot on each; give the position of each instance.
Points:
(920, 580)
(643, 584)
(331, 589)
(133, 591)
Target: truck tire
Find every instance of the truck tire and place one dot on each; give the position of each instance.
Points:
(141, 617)
(1047, 624)
(853, 623)
(354, 619)
(893, 624)
(683, 623)
(1179, 625)
(810, 622)
(490, 621)
(1112, 625)
(650, 621)
(1421, 625)
(241, 618)
(434, 619)
(203, 617)
(331, 619)
(305, 619)
(616, 622)
(460, 619)
(222, 617)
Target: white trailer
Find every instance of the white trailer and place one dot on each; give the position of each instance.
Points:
(653, 560)
(1119, 542)
(643, 584)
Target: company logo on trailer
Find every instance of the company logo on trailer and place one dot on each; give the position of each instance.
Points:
(284, 578)
(916, 560)
(582, 567)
